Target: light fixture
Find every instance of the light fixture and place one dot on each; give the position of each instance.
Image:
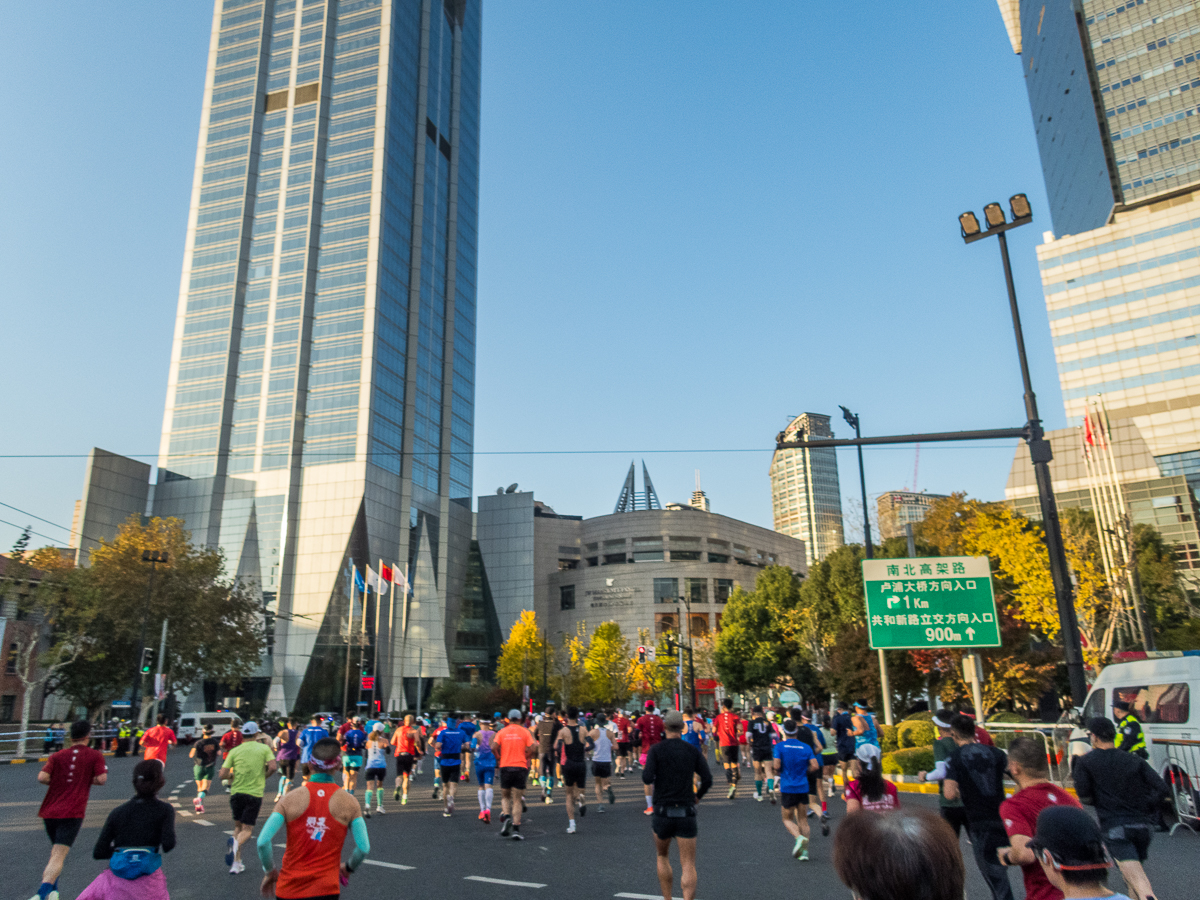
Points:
(969, 224)
(994, 215)
(1019, 205)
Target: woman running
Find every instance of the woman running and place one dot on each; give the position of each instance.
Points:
(287, 754)
(375, 772)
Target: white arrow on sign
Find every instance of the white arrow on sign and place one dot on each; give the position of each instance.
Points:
(892, 601)
(970, 634)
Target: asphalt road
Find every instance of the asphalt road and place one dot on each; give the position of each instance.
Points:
(743, 849)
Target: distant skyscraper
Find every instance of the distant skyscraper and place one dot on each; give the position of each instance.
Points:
(805, 494)
(1113, 90)
(899, 508)
(320, 406)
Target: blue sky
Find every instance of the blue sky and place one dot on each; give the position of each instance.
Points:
(697, 219)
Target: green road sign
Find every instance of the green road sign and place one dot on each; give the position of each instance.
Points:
(933, 601)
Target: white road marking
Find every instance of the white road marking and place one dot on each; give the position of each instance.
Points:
(644, 897)
(184, 812)
(528, 884)
(204, 822)
(388, 865)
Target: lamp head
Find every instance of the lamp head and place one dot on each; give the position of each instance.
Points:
(969, 224)
(994, 215)
(1018, 204)
(851, 418)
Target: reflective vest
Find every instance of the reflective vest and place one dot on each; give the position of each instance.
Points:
(1130, 736)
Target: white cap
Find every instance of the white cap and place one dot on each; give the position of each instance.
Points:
(250, 728)
(377, 727)
(868, 752)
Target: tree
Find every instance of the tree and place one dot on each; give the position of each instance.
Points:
(608, 665)
(571, 680)
(759, 644)
(654, 677)
(215, 624)
(521, 655)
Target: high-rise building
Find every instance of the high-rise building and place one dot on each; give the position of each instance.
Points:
(806, 496)
(1113, 91)
(319, 407)
(899, 508)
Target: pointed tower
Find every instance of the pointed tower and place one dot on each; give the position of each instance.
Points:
(650, 496)
(627, 502)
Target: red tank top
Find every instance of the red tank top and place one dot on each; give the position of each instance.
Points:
(405, 743)
(314, 848)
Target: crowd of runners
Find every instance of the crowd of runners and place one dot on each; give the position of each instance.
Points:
(796, 758)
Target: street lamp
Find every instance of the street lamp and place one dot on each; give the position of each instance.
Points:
(154, 557)
(852, 421)
(1039, 448)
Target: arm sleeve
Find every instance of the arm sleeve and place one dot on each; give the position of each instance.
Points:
(166, 836)
(648, 769)
(1084, 787)
(265, 854)
(705, 775)
(103, 848)
(938, 772)
(362, 843)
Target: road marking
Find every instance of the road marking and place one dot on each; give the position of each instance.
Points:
(528, 884)
(388, 865)
(204, 822)
(184, 812)
(644, 897)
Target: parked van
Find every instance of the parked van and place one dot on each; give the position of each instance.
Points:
(191, 725)
(1159, 690)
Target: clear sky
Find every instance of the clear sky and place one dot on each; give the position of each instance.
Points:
(698, 219)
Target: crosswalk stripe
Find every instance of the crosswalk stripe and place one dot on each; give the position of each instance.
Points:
(203, 822)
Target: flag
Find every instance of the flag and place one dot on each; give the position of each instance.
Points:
(400, 580)
(376, 582)
(358, 579)
(385, 572)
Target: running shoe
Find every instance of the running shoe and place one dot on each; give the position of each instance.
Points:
(487, 817)
(774, 797)
(237, 868)
(396, 794)
(480, 816)
(198, 805)
(507, 828)
(445, 812)
(404, 800)
(800, 848)
(230, 851)
(648, 811)
(378, 810)
(517, 836)
(366, 812)
(462, 777)
(437, 793)
(731, 792)
(547, 799)
(758, 797)
(601, 810)
(582, 810)
(825, 824)
(612, 798)
(571, 828)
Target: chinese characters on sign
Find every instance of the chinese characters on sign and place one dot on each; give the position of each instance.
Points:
(930, 602)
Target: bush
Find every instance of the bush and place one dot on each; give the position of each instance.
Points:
(910, 733)
(926, 716)
(887, 738)
(1010, 717)
(909, 761)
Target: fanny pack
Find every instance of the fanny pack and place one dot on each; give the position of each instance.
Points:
(134, 862)
(675, 812)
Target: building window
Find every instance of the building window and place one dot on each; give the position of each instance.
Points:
(696, 589)
(718, 557)
(666, 590)
(7, 703)
(592, 548)
(567, 564)
(647, 555)
(609, 545)
(665, 623)
(10, 664)
(698, 625)
(593, 560)
(610, 558)
(566, 596)
(722, 588)
(684, 555)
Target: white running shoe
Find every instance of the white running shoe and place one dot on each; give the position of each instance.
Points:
(237, 868)
(571, 828)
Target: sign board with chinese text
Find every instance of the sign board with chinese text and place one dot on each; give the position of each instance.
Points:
(928, 602)
(368, 682)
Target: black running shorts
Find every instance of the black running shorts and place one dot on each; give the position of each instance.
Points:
(374, 774)
(602, 770)
(730, 754)
(1128, 842)
(287, 768)
(575, 774)
(404, 764)
(765, 755)
(513, 778)
(451, 773)
(623, 748)
(62, 831)
(791, 801)
(666, 827)
(548, 762)
(245, 808)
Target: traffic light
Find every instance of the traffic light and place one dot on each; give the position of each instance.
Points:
(641, 654)
(147, 661)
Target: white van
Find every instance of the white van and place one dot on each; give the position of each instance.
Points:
(1159, 691)
(191, 725)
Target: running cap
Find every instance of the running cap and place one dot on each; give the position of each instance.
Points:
(868, 753)
(939, 720)
(673, 720)
(514, 714)
(1071, 838)
(649, 704)
(790, 727)
(860, 704)
(208, 729)
(601, 719)
(378, 726)
(496, 715)
(1102, 728)
(250, 728)
(805, 717)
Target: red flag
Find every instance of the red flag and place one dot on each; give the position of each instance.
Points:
(385, 573)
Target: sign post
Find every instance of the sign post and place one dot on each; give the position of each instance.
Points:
(930, 601)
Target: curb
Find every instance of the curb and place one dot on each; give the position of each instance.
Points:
(35, 759)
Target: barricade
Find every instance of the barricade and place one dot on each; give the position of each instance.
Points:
(1183, 777)
(1054, 738)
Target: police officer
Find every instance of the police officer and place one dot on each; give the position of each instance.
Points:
(1130, 736)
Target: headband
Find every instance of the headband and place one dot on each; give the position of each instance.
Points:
(325, 766)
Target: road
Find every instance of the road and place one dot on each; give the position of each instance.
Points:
(742, 850)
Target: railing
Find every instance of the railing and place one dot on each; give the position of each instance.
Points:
(1055, 739)
(1183, 772)
(35, 739)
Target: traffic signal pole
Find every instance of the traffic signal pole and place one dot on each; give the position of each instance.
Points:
(154, 557)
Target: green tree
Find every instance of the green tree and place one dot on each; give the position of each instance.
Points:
(758, 647)
(521, 656)
(608, 665)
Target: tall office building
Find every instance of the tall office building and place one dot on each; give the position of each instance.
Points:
(1113, 91)
(806, 496)
(320, 404)
(897, 509)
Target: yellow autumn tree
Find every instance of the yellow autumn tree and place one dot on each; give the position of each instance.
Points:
(521, 655)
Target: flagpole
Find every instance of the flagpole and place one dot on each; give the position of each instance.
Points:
(349, 633)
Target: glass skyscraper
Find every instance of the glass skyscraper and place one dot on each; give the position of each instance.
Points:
(806, 495)
(320, 407)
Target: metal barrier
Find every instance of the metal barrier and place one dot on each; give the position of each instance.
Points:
(1183, 777)
(1054, 738)
(35, 740)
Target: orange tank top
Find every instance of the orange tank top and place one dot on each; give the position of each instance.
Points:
(314, 848)
(405, 743)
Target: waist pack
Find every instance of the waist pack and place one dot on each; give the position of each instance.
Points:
(675, 812)
(134, 862)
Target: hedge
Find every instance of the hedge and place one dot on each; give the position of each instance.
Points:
(926, 716)
(887, 738)
(909, 761)
(911, 733)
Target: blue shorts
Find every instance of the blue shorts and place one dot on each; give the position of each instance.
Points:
(485, 775)
(352, 762)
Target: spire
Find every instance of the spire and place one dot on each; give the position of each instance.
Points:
(630, 500)
(699, 499)
(651, 497)
(627, 502)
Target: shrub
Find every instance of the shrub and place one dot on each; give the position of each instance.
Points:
(887, 738)
(909, 761)
(926, 716)
(911, 733)
(1010, 717)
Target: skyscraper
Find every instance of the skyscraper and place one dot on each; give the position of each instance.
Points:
(805, 493)
(320, 401)
(1113, 91)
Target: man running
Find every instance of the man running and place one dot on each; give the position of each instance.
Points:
(517, 749)
(574, 767)
(547, 732)
(448, 745)
(623, 725)
(156, 740)
(762, 741)
(650, 726)
(951, 810)
(668, 776)
(864, 730)
(230, 739)
(728, 725)
(795, 765)
(468, 727)
(485, 768)
(247, 768)
(375, 772)
(68, 775)
(308, 739)
(354, 742)
(602, 743)
(317, 818)
(205, 751)
(406, 739)
(843, 732)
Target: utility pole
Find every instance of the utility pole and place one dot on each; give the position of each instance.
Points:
(162, 652)
(154, 557)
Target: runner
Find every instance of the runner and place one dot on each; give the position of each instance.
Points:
(1072, 854)
(843, 732)
(816, 806)
(485, 768)
(762, 740)
(287, 754)
(354, 741)
(517, 749)
(796, 765)
(864, 730)
(728, 725)
(468, 727)
(229, 740)
(869, 791)
(317, 818)
(308, 739)
(431, 741)
(247, 768)
(829, 755)
(205, 751)
(624, 725)
(547, 731)
(574, 765)
(156, 740)
(376, 770)
(448, 746)
(951, 810)
(601, 736)
(130, 840)
(406, 740)
(671, 798)
(975, 772)
(650, 728)
(69, 775)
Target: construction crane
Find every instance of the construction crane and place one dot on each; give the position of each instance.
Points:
(916, 467)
